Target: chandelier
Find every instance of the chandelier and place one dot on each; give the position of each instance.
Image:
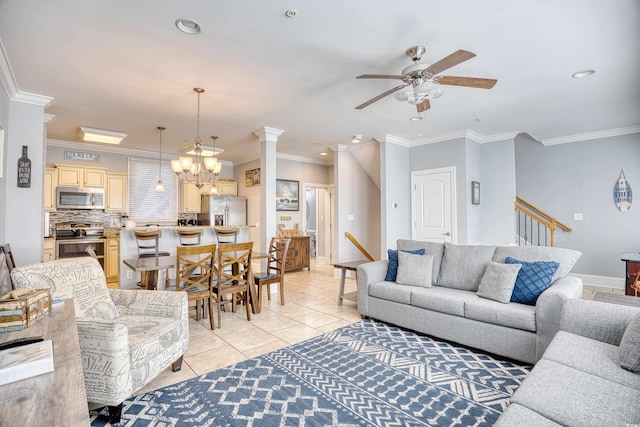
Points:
(200, 170)
(160, 184)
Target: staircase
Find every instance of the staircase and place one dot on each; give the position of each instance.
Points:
(535, 227)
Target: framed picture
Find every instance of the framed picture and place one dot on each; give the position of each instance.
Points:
(252, 177)
(287, 195)
(475, 192)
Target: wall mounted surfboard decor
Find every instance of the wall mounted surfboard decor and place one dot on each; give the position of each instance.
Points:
(622, 195)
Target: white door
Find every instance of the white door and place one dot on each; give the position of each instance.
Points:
(322, 222)
(434, 205)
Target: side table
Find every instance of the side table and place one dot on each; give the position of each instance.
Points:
(344, 266)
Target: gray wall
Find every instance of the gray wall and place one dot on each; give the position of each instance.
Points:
(4, 121)
(395, 186)
(579, 178)
(474, 173)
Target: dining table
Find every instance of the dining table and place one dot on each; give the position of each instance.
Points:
(152, 265)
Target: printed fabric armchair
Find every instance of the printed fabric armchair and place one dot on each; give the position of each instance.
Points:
(127, 337)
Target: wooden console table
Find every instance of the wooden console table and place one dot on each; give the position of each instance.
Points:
(298, 255)
(344, 266)
(57, 398)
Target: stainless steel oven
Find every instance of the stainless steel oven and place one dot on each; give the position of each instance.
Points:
(72, 240)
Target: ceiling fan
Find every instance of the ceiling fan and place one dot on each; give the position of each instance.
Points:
(424, 79)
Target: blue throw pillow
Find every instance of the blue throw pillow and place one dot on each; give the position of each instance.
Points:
(533, 279)
(392, 269)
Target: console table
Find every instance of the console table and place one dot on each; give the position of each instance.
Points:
(630, 260)
(344, 266)
(298, 255)
(57, 398)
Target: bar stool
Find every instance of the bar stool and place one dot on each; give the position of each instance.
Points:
(148, 246)
(189, 236)
(227, 234)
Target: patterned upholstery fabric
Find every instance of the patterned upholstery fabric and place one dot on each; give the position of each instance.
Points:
(533, 279)
(127, 337)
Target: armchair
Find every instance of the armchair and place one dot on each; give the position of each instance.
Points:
(127, 337)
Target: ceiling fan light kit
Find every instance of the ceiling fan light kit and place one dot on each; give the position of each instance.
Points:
(422, 80)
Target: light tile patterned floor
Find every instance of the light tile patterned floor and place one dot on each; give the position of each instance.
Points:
(310, 310)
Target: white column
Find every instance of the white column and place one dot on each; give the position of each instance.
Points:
(268, 138)
(341, 182)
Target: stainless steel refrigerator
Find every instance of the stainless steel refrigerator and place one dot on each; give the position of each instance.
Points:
(223, 210)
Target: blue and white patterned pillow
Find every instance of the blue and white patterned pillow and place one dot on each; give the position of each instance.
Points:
(392, 268)
(533, 279)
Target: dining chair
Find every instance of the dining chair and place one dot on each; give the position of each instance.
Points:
(195, 275)
(148, 243)
(227, 234)
(7, 264)
(276, 263)
(189, 236)
(234, 275)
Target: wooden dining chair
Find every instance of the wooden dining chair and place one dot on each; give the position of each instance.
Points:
(148, 243)
(276, 263)
(195, 275)
(227, 234)
(234, 276)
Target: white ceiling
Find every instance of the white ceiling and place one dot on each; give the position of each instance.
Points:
(123, 65)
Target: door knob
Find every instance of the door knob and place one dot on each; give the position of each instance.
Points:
(446, 234)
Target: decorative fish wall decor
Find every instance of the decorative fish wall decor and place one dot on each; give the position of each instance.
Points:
(622, 195)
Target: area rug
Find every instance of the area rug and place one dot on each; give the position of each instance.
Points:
(368, 373)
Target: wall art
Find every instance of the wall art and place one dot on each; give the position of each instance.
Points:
(622, 194)
(252, 177)
(287, 195)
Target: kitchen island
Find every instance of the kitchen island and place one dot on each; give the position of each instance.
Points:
(168, 243)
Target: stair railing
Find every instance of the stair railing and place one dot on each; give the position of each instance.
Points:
(358, 245)
(543, 232)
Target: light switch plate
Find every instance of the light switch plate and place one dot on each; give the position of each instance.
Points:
(577, 217)
(351, 217)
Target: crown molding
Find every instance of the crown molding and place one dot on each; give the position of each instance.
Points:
(392, 139)
(590, 135)
(303, 159)
(33, 98)
(11, 86)
(499, 137)
(268, 134)
(339, 147)
(49, 118)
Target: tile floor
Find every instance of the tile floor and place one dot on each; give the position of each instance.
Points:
(310, 310)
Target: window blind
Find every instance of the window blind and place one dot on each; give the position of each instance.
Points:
(144, 201)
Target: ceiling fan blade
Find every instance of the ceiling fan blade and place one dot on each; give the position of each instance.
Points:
(380, 76)
(454, 59)
(466, 81)
(423, 106)
(186, 147)
(379, 97)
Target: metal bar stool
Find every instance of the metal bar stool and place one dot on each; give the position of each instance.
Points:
(148, 246)
(227, 234)
(189, 236)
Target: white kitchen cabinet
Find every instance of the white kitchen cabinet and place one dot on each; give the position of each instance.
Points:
(227, 188)
(72, 176)
(50, 184)
(189, 198)
(117, 192)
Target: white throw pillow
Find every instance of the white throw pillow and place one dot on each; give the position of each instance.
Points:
(414, 270)
(498, 281)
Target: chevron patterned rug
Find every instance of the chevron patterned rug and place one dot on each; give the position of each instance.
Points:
(365, 374)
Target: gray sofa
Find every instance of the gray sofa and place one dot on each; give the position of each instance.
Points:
(579, 380)
(451, 309)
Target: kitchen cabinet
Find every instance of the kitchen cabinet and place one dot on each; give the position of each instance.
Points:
(189, 198)
(72, 176)
(50, 184)
(117, 193)
(48, 250)
(298, 255)
(227, 188)
(112, 262)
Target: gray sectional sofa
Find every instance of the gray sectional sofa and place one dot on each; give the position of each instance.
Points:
(452, 310)
(579, 381)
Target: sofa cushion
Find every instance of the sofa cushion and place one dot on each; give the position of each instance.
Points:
(518, 316)
(443, 300)
(533, 279)
(498, 281)
(592, 356)
(414, 269)
(518, 416)
(392, 266)
(391, 291)
(572, 397)
(630, 347)
(435, 249)
(79, 278)
(565, 257)
(463, 266)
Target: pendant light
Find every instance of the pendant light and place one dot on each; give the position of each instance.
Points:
(160, 184)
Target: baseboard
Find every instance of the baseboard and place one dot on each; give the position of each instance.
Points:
(604, 281)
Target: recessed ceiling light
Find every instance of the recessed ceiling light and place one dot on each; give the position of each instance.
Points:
(323, 153)
(416, 118)
(102, 135)
(188, 26)
(581, 74)
(291, 13)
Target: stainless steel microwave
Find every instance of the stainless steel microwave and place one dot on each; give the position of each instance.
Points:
(79, 198)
